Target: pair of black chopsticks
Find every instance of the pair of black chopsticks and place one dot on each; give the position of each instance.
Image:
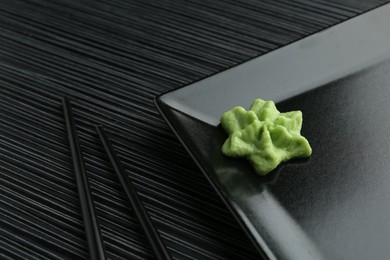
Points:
(94, 238)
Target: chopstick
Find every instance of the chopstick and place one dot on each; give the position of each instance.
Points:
(91, 225)
(151, 233)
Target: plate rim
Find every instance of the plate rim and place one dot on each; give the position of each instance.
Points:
(159, 96)
(261, 246)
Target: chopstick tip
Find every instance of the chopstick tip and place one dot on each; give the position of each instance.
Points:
(65, 100)
(99, 126)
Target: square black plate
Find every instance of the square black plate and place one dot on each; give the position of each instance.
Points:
(336, 204)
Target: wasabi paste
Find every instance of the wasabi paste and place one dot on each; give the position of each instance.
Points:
(264, 136)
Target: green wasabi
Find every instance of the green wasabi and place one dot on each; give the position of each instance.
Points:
(264, 136)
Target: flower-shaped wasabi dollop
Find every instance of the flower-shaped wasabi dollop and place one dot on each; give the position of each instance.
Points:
(264, 136)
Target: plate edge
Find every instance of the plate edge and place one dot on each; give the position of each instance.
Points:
(261, 246)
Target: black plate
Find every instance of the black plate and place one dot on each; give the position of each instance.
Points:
(336, 204)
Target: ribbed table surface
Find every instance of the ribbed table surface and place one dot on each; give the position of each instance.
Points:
(112, 57)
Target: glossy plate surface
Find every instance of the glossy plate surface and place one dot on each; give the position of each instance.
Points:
(334, 205)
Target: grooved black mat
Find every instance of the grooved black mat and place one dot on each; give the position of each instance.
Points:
(112, 58)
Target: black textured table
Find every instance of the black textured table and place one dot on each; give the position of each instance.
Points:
(112, 58)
